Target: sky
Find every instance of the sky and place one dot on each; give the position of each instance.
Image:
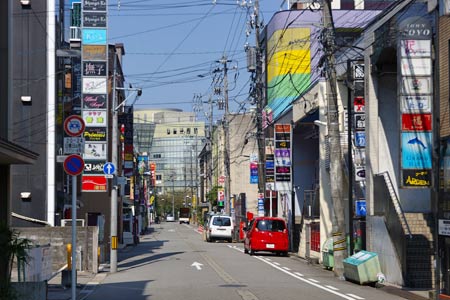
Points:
(173, 47)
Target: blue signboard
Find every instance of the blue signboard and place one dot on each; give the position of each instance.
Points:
(417, 150)
(93, 36)
(360, 139)
(360, 208)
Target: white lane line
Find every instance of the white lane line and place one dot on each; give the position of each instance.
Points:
(306, 280)
(356, 297)
(275, 263)
(298, 274)
(286, 268)
(332, 288)
(313, 280)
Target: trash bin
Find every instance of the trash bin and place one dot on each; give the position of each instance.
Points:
(327, 254)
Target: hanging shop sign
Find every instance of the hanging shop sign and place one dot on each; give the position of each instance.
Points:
(93, 36)
(416, 85)
(94, 150)
(415, 103)
(94, 52)
(94, 68)
(94, 85)
(94, 118)
(94, 19)
(417, 150)
(91, 183)
(94, 101)
(94, 5)
(416, 178)
(416, 122)
(93, 167)
(95, 134)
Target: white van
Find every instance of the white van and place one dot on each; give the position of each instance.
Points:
(220, 228)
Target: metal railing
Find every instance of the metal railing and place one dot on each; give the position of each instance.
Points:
(75, 34)
(395, 201)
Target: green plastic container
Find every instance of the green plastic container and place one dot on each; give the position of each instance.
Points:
(362, 267)
(327, 254)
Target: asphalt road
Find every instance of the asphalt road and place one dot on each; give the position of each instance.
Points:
(173, 262)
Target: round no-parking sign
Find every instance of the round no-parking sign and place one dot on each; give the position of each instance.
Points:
(74, 125)
(74, 164)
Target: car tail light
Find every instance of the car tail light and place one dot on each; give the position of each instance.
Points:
(284, 230)
(256, 230)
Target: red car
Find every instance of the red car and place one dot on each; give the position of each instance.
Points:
(266, 234)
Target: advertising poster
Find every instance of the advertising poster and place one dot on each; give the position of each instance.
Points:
(417, 150)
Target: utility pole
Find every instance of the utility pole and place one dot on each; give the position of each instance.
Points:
(259, 108)
(226, 128)
(336, 174)
(114, 239)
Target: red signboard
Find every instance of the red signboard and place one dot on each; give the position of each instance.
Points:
(359, 104)
(416, 122)
(93, 184)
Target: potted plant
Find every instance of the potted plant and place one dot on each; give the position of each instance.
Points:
(12, 247)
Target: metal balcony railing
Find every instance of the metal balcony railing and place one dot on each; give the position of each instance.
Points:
(75, 34)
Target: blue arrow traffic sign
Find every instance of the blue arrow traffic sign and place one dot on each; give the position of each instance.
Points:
(360, 207)
(74, 164)
(109, 168)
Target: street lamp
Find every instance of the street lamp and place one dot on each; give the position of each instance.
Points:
(114, 160)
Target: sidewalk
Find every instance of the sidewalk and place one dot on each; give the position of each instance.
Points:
(86, 283)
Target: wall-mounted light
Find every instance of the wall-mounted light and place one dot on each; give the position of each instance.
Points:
(25, 99)
(25, 2)
(26, 196)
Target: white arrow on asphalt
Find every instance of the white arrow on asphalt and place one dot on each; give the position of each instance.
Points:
(197, 265)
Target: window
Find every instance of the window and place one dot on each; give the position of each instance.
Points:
(195, 130)
(168, 131)
(157, 155)
(158, 177)
(271, 225)
(188, 131)
(222, 221)
(181, 130)
(174, 131)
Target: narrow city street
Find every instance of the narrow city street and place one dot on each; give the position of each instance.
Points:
(173, 262)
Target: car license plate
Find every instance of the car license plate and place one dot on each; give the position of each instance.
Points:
(270, 246)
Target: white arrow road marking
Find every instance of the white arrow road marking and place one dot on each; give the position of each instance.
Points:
(197, 265)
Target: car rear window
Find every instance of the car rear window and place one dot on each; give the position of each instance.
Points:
(271, 225)
(222, 221)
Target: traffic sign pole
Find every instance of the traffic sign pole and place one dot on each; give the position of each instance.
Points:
(74, 237)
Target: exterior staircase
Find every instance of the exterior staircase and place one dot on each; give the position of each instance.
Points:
(416, 250)
(420, 252)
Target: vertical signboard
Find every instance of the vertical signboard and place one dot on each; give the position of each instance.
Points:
(94, 83)
(416, 101)
(282, 157)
